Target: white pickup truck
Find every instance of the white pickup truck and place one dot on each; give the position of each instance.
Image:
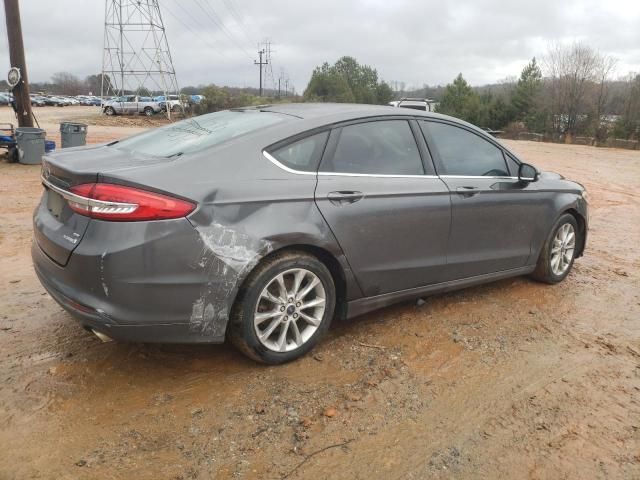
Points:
(131, 105)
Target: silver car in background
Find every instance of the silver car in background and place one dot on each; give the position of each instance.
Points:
(131, 105)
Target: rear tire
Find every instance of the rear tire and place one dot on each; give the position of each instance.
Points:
(148, 111)
(109, 111)
(559, 251)
(270, 321)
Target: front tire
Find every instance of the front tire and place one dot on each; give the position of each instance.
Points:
(559, 251)
(109, 111)
(284, 308)
(148, 111)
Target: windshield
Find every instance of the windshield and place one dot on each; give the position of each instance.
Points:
(198, 133)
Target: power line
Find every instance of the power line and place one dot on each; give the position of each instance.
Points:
(237, 19)
(220, 25)
(214, 47)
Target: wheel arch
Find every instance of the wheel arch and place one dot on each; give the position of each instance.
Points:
(582, 227)
(326, 258)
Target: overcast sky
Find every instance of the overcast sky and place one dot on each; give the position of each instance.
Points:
(417, 42)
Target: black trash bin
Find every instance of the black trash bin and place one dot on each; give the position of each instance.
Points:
(30, 142)
(73, 134)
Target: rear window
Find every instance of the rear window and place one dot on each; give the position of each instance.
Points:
(198, 133)
(303, 155)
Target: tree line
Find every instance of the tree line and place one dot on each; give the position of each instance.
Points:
(570, 93)
(65, 83)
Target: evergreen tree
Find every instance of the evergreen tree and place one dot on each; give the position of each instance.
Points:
(347, 81)
(459, 100)
(525, 97)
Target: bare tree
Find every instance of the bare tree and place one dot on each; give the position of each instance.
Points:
(606, 66)
(628, 123)
(67, 83)
(571, 71)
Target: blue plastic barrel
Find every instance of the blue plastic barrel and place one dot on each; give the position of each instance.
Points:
(49, 146)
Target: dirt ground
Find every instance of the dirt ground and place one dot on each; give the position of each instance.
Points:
(101, 128)
(514, 379)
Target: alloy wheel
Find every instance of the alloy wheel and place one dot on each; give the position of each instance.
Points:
(562, 249)
(289, 310)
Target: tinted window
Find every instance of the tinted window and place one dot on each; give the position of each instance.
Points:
(513, 165)
(304, 154)
(198, 133)
(377, 148)
(464, 153)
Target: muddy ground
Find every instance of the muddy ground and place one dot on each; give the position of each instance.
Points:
(514, 379)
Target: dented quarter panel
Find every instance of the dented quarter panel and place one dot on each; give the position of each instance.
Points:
(238, 227)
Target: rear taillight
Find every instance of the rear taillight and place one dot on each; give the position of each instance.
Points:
(106, 201)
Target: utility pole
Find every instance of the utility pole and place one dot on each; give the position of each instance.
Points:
(16, 56)
(279, 79)
(260, 64)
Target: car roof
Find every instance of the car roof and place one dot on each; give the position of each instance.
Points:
(319, 114)
(320, 110)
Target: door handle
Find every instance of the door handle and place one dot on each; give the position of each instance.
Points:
(468, 191)
(344, 197)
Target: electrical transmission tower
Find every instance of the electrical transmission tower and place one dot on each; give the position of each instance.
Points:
(136, 57)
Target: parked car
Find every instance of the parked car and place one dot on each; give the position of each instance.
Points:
(84, 99)
(261, 225)
(425, 104)
(174, 101)
(38, 101)
(55, 101)
(4, 99)
(196, 99)
(131, 104)
(71, 100)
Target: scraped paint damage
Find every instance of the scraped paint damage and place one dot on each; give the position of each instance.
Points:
(227, 256)
(102, 280)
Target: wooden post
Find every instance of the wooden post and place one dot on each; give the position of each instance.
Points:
(16, 56)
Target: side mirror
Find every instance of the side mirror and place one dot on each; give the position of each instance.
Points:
(527, 173)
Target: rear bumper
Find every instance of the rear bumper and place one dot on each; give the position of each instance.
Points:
(99, 321)
(138, 281)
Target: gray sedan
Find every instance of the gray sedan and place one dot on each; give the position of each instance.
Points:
(262, 225)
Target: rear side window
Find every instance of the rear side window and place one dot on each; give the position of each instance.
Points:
(462, 152)
(303, 155)
(198, 133)
(377, 148)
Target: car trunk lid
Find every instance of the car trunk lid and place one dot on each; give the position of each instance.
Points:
(58, 230)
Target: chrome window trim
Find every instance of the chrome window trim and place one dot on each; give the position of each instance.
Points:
(84, 201)
(380, 175)
(273, 160)
(479, 176)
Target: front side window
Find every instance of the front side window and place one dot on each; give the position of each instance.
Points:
(304, 154)
(462, 152)
(377, 148)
